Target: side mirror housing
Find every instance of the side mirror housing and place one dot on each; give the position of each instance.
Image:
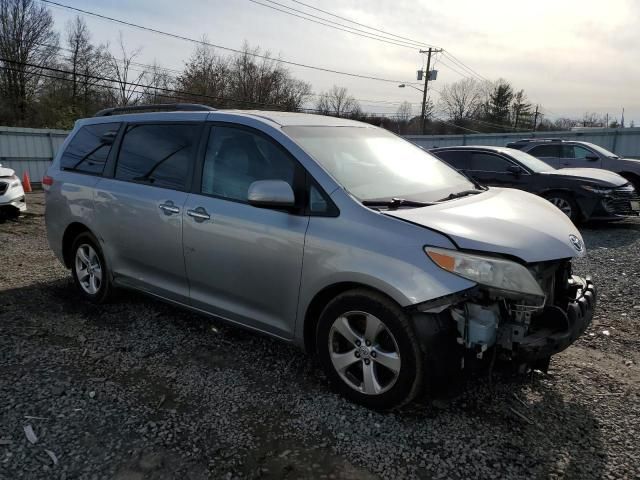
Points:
(592, 158)
(271, 194)
(515, 170)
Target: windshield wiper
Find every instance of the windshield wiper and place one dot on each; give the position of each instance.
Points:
(463, 193)
(395, 203)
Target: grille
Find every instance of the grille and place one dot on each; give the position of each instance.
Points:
(552, 277)
(3, 187)
(619, 201)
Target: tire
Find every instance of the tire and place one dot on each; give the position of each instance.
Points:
(388, 354)
(566, 204)
(89, 269)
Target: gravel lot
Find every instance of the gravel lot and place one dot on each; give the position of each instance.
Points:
(140, 390)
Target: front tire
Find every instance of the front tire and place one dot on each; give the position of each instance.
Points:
(566, 204)
(369, 351)
(89, 269)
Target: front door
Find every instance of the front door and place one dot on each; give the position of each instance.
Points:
(140, 210)
(244, 263)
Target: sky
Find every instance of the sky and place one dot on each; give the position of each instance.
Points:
(570, 56)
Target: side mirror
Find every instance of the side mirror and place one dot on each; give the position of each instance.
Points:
(515, 170)
(108, 138)
(271, 194)
(592, 158)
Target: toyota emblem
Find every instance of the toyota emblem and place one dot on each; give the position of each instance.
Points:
(576, 242)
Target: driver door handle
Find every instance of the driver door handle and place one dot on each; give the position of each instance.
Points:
(199, 214)
(169, 208)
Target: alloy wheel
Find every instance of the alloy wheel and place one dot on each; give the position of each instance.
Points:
(563, 205)
(88, 269)
(364, 352)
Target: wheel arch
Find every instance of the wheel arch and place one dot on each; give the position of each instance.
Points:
(71, 232)
(566, 192)
(320, 300)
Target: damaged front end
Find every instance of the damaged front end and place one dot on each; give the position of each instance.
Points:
(526, 327)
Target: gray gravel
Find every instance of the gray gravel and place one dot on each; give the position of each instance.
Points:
(140, 390)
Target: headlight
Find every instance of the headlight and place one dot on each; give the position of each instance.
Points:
(492, 272)
(598, 190)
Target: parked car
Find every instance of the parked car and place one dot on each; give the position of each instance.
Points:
(12, 200)
(331, 234)
(571, 153)
(581, 193)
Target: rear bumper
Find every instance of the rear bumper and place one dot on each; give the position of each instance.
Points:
(544, 342)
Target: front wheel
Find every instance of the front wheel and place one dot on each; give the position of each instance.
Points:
(369, 351)
(566, 204)
(89, 269)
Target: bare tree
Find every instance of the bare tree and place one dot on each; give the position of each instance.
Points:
(592, 119)
(159, 85)
(28, 44)
(206, 76)
(565, 123)
(404, 112)
(337, 102)
(462, 100)
(121, 71)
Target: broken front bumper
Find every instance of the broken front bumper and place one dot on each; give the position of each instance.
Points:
(555, 328)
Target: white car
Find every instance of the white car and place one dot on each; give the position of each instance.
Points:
(12, 200)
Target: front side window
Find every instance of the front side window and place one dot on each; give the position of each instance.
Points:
(236, 158)
(487, 162)
(546, 151)
(159, 155)
(373, 164)
(458, 159)
(89, 148)
(576, 151)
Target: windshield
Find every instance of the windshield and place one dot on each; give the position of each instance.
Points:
(601, 151)
(373, 164)
(532, 163)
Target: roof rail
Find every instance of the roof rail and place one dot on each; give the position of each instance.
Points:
(159, 107)
(538, 139)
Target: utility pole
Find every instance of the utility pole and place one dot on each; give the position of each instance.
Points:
(535, 119)
(426, 86)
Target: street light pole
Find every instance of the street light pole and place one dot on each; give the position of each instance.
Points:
(426, 85)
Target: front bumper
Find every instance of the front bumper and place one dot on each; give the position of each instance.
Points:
(548, 339)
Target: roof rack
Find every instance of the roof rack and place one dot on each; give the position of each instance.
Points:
(533, 140)
(159, 107)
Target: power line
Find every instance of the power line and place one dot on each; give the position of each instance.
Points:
(335, 25)
(363, 25)
(455, 60)
(208, 44)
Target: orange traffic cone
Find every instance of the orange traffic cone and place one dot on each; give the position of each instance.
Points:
(26, 183)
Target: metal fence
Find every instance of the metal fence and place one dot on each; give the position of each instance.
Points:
(624, 142)
(32, 149)
(29, 149)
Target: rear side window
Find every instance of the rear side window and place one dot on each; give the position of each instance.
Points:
(576, 151)
(458, 160)
(159, 155)
(89, 148)
(544, 151)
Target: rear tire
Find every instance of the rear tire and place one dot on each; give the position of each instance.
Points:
(369, 350)
(566, 204)
(89, 269)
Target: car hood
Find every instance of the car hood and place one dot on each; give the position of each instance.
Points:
(503, 221)
(6, 172)
(591, 174)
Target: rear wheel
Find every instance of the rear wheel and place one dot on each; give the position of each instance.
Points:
(89, 269)
(566, 204)
(369, 351)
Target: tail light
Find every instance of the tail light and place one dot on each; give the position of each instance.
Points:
(47, 181)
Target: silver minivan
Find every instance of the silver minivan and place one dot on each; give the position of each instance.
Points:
(340, 237)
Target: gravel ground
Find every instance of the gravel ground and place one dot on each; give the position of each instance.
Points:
(140, 390)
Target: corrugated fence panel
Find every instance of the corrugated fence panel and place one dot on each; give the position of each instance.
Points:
(622, 141)
(29, 149)
(32, 149)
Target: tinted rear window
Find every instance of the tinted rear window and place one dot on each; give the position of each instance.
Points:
(89, 148)
(159, 155)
